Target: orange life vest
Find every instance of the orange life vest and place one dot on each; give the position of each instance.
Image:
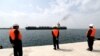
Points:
(93, 32)
(12, 35)
(55, 32)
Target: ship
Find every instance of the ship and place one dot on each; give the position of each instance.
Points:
(43, 28)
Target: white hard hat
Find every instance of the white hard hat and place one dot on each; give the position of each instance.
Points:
(91, 25)
(15, 25)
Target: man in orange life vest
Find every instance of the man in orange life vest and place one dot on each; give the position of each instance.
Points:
(91, 35)
(16, 40)
(55, 34)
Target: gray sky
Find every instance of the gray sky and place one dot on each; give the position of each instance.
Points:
(49, 13)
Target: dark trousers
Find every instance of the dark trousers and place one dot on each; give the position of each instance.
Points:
(90, 43)
(56, 42)
(18, 49)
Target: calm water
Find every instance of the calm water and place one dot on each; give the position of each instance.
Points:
(44, 37)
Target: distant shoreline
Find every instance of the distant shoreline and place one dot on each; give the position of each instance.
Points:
(4, 28)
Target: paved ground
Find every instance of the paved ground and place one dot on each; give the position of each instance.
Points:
(71, 49)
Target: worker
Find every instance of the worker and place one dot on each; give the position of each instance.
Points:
(90, 36)
(55, 34)
(16, 40)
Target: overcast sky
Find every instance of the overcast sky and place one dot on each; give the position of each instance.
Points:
(77, 13)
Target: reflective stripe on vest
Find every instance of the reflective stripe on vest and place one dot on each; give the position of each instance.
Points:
(93, 32)
(12, 35)
(55, 32)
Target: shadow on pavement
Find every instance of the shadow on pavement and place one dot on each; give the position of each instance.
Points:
(65, 50)
(96, 50)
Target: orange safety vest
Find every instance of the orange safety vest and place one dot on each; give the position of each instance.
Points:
(93, 32)
(12, 35)
(55, 32)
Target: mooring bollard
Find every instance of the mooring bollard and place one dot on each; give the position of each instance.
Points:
(1, 47)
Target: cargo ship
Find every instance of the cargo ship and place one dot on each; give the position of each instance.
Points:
(43, 28)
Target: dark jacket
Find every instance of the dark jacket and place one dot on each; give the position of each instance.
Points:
(89, 33)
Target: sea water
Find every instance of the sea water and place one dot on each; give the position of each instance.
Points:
(44, 37)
